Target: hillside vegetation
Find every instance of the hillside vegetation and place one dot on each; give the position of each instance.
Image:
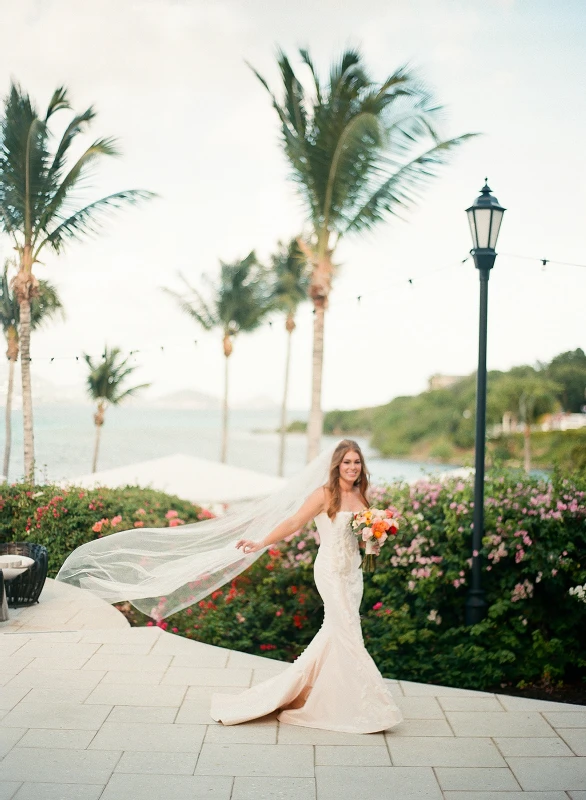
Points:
(439, 424)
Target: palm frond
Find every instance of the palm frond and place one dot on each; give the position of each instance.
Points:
(85, 221)
(400, 190)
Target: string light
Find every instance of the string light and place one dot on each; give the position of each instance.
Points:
(396, 285)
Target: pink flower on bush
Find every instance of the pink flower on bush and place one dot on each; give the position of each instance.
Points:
(140, 512)
(376, 606)
(173, 523)
(97, 527)
(116, 519)
(138, 524)
(171, 514)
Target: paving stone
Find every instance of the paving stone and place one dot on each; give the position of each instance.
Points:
(516, 746)
(444, 752)
(296, 734)
(10, 696)
(8, 789)
(256, 759)
(195, 712)
(457, 703)
(566, 719)
(513, 723)
(273, 789)
(11, 665)
(544, 774)
(505, 796)
(420, 707)
(162, 738)
(10, 643)
(138, 763)
(64, 651)
(50, 636)
(420, 727)
(413, 689)
(575, 738)
(247, 733)
(62, 694)
(127, 634)
(125, 648)
(150, 678)
(170, 644)
(328, 755)
(55, 738)
(578, 795)
(149, 663)
(128, 695)
(249, 661)
(374, 783)
(512, 703)
(58, 766)
(206, 676)
(216, 659)
(58, 679)
(9, 737)
(167, 787)
(59, 791)
(57, 715)
(143, 714)
(470, 778)
(42, 662)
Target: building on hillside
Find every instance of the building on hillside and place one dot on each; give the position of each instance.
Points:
(443, 381)
(563, 421)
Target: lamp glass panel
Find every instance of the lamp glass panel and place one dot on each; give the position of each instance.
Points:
(497, 218)
(472, 227)
(482, 217)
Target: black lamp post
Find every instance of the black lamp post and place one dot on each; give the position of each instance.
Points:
(485, 216)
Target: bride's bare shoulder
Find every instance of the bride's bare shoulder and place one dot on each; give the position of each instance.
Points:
(320, 498)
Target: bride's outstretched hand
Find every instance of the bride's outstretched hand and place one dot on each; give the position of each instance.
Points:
(248, 546)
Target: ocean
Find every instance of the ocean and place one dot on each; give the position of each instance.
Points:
(64, 441)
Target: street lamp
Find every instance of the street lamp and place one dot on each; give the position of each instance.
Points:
(485, 216)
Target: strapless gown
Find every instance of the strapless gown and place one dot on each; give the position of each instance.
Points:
(334, 684)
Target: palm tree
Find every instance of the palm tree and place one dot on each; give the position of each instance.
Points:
(38, 207)
(240, 302)
(44, 307)
(358, 151)
(105, 386)
(291, 286)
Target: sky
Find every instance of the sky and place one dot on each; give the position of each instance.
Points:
(169, 79)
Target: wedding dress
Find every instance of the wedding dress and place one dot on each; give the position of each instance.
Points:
(334, 684)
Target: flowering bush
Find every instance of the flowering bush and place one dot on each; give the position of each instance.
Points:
(413, 608)
(65, 519)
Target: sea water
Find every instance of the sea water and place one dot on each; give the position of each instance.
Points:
(65, 434)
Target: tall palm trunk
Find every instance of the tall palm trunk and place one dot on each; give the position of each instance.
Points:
(8, 434)
(26, 287)
(321, 284)
(315, 425)
(98, 421)
(290, 327)
(227, 353)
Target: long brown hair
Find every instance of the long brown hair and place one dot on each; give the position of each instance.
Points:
(333, 484)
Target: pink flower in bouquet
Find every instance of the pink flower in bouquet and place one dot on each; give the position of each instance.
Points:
(366, 534)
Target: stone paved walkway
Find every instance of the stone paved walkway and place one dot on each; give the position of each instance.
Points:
(91, 708)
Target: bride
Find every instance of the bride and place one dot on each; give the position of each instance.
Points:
(334, 684)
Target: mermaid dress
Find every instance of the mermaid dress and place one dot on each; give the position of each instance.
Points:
(334, 684)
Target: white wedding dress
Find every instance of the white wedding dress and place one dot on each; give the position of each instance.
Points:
(334, 684)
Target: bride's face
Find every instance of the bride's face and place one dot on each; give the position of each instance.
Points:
(350, 467)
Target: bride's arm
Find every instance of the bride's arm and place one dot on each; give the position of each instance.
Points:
(314, 504)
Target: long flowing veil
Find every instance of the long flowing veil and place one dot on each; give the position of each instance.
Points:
(163, 570)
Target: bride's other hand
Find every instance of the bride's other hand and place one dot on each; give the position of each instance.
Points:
(248, 546)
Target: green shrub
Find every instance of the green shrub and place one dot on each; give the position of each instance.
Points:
(413, 607)
(65, 519)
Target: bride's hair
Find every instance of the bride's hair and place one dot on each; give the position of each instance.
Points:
(333, 484)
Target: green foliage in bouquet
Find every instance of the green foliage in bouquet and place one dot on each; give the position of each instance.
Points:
(65, 519)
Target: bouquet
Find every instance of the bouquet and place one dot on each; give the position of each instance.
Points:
(374, 526)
